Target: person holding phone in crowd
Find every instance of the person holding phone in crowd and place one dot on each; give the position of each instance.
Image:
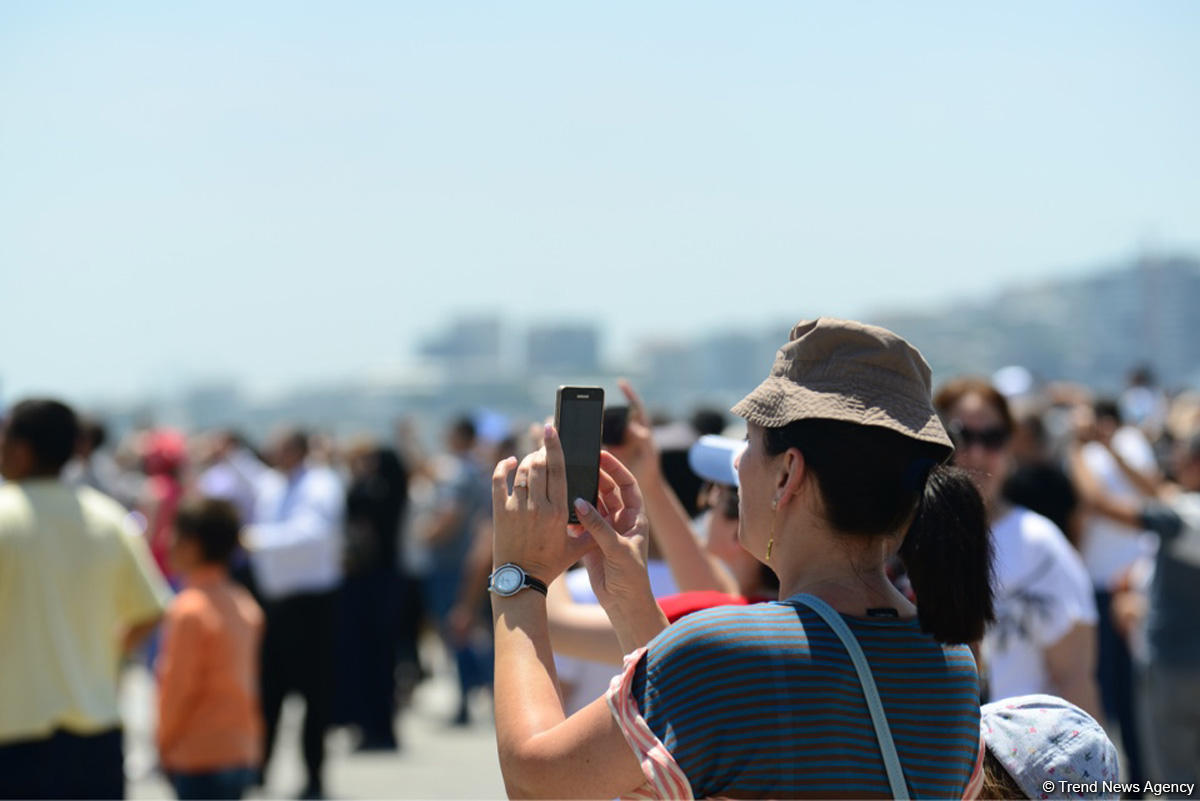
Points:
(844, 467)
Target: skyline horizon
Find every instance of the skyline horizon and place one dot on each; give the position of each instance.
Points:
(408, 368)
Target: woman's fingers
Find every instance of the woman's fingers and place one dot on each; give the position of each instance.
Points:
(556, 468)
(537, 479)
(627, 486)
(521, 490)
(602, 533)
(608, 496)
(500, 483)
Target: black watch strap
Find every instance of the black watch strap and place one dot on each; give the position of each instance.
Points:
(535, 584)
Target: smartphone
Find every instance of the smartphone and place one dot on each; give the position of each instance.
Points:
(579, 420)
(616, 418)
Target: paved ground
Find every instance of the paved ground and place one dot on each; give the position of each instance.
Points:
(435, 760)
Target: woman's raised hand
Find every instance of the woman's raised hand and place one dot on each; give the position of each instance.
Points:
(637, 450)
(531, 521)
(618, 527)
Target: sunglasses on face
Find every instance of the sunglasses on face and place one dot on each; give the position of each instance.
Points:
(992, 438)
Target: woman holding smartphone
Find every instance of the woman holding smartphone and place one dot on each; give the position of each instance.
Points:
(841, 687)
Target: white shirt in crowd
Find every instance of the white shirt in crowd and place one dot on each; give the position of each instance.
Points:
(1109, 548)
(589, 680)
(1042, 592)
(235, 478)
(296, 544)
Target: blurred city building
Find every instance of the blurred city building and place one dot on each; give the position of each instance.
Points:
(1091, 329)
(563, 348)
(469, 346)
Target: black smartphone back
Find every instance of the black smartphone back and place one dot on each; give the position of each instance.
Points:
(579, 420)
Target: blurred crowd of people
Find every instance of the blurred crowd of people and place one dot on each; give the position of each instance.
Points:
(303, 566)
(1094, 503)
(310, 566)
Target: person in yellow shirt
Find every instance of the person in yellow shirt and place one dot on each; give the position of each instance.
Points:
(78, 588)
(210, 726)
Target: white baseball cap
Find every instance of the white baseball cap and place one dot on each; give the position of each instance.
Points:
(714, 457)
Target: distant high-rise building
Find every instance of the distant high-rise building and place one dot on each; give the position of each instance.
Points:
(566, 348)
(212, 405)
(1091, 329)
(733, 362)
(468, 343)
(670, 374)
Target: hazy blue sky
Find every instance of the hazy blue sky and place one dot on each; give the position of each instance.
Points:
(281, 192)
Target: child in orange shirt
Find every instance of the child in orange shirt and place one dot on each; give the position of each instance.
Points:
(209, 720)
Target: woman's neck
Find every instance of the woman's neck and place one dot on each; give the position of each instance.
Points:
(850, 579)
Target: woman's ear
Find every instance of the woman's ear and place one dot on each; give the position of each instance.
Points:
(790, 479)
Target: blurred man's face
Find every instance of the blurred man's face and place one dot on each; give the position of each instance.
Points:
(285, 455)
(184, 554)
(1105, 428)
(16, 458)
(1187, 467)
(1025, 446)
(458, 443)
(722, 525)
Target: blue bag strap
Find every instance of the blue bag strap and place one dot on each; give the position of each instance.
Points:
(887, 746)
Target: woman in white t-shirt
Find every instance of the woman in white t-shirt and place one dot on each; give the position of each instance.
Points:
(1044, 637)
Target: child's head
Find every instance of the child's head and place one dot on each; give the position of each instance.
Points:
(206, 533)
(1035, 742)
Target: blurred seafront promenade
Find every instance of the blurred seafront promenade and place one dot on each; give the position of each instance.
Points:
(435, 760)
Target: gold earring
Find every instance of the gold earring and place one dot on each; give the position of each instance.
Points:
(771, 537)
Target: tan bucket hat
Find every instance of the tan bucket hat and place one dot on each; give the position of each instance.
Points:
(844, 370)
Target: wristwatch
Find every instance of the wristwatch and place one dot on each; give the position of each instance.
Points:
(509, 579)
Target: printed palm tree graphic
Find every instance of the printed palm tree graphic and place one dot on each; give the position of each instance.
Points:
(1020, 609)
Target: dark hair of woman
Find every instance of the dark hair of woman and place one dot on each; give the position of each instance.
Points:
(947, 549)
(956, 389)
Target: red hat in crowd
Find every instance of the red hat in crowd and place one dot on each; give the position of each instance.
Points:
(164, 451)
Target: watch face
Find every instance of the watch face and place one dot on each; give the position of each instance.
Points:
(507, 580)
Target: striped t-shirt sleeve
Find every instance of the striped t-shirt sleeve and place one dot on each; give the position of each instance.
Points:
(763, 701)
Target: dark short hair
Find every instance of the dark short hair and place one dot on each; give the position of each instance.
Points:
(1107, 408)
(1142, 375)
(954, 390)
(49, 427)
(708, 421)
(93, 432)
(211, 523)
(464, 427)
(296, 439)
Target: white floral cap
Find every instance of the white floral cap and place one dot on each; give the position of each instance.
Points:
(1046, 742)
